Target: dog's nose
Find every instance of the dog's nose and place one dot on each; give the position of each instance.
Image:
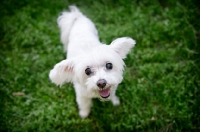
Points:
(101, 83)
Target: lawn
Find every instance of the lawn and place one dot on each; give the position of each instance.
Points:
(160, 90)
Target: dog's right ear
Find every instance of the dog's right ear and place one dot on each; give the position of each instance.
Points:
(123, 46)
(62, 72)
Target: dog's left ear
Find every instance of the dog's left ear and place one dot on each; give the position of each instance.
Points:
(62, 72)
(122, 46)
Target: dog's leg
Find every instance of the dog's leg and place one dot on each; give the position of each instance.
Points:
(84, 105)
(115, 100)
(84, 102)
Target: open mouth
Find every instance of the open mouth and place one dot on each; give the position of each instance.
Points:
(104, 93)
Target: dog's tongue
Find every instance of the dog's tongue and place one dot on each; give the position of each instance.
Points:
(105, 93)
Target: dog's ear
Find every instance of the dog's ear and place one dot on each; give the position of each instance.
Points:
(122, 46)
(62, 72)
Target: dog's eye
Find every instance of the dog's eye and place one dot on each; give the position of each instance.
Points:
(109, 66)
(88, 71)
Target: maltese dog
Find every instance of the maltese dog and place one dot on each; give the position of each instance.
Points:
(95, 69)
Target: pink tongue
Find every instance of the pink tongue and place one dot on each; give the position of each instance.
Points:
(105, 92)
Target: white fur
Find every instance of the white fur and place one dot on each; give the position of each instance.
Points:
(84, 50)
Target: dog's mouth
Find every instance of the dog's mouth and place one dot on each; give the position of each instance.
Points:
(104, 93)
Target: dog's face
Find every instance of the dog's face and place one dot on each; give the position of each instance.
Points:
(99, 69)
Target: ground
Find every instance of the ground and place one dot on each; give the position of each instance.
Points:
(160, 90)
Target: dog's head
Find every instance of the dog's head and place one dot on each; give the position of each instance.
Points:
(99, 69)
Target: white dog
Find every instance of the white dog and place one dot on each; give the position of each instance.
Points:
(95, 69)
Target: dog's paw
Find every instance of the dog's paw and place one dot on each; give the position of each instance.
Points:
(115, 101)
(84, 113)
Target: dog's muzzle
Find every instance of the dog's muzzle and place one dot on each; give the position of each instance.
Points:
(101, 83)
(104, 92)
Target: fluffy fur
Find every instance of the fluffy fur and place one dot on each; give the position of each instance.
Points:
(95, 69)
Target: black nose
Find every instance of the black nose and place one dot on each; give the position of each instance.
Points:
(101, 83)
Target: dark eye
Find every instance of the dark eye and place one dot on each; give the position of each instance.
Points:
(88, 71)
(109, 66)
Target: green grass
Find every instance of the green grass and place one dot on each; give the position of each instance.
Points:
(160, 90)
